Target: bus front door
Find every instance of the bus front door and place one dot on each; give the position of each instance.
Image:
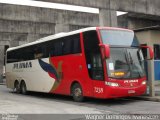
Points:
(97, 76)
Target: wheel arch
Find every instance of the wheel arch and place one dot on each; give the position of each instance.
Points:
(22, 81)
(16, 81)
(74, 82)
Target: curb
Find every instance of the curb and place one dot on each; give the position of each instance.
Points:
(146, 98)
(2, 83)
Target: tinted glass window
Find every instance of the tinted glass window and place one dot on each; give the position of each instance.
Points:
(58, 47)
(93, 55)
(125, 63)
(76, 48)
(22, 54)
(119, 37)
(64, 46)
(11, 57)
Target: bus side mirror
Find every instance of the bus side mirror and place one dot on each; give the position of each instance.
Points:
(150, 51)
(105, 50)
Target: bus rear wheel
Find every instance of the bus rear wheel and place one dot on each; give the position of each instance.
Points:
(23, 88)
(77, 93)
(16, 87)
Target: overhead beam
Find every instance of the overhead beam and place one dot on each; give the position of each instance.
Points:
(151, 7)
(45, 15)
(36, 20)
(87, 3)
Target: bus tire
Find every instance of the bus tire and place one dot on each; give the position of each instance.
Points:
(23, 88)
(77, 92)
(16, 87)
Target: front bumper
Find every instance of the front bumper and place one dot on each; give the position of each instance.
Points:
(117, 92)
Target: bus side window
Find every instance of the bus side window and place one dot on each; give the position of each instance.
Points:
(76, 44)
(53, 48)
(71, 45)
(64, 46)
(97, 71)
(58, 48)
(93, 55)
(11, 57)
(38, 53)
(67, 46)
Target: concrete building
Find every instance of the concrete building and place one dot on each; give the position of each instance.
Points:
(136, 21)
(108, 8)
(151, 36)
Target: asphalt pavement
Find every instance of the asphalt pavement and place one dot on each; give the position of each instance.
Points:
(42, 103)
(42, 106)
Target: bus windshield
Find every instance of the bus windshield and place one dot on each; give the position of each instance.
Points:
(119, 38)
(125, 63)
(126, 59)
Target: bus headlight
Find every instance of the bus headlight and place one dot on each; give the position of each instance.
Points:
(112, 84)
(144, 83)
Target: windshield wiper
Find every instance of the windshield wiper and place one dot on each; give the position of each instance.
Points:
(130, 58)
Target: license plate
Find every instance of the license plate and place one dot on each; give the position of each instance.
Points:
(131, 91)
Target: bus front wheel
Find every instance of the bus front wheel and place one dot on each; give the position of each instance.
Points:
(23, 88)
(77, 93)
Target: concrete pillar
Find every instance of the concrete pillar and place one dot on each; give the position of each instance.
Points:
(108, 18)
(151, 79)
(1, 58)
(61, 28)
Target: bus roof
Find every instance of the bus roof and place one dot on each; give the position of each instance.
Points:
(60, 35)
(52, 37)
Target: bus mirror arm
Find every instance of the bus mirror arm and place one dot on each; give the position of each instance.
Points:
(105, 50)
(150, 50)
